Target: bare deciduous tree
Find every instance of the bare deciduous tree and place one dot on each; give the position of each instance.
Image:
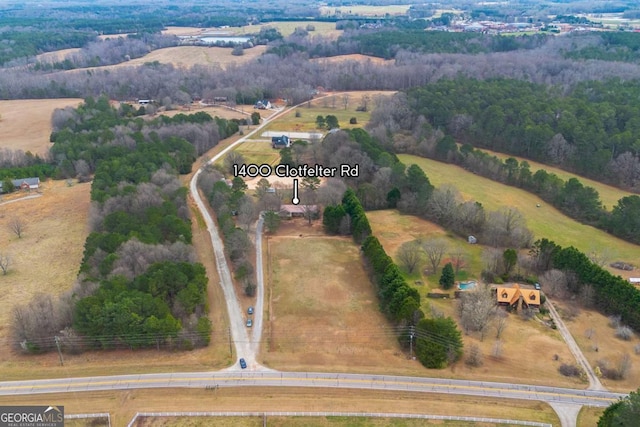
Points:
(409, 255)
(247, 212)
(500, 323)
(459, 259)
(435, 250)
(476, 309)
(474, 358)
(17, 226)
(554, 283)
(233, 159)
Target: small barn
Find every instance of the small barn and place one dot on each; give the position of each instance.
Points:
(25, 184)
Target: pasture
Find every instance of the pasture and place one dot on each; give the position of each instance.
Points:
(608, 194)
(25, 124)
(286, 28)
(188, 56)
(545, 221)
(123, 404)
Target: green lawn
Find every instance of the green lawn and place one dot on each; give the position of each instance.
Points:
(608, 194)
(259, 152)
(545, 221)
(307, 120)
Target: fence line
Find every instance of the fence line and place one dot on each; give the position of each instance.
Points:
(84, 416)
(337, 414)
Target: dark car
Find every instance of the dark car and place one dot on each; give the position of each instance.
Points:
(250, 310)
(243, 364)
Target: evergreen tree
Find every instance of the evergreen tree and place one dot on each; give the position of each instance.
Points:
(448, 277)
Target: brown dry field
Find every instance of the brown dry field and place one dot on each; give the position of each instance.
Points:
(609, 347)
(187, 56)
(354, 57)
(393, 229)
(56, 55)
(286, 28)
(47, 257)
(321, 309)
(25, 124)
(123, 405)
(589, 416)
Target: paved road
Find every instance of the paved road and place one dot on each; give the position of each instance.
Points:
(310, 379)
(594, 381)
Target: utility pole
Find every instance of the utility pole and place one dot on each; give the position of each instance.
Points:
(411, 336)
(59, 351)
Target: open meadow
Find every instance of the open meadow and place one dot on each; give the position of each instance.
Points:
(123, 405)
(608, 194)
(343, 105)
(364, 59)
(393, 229)
(25, 124)
(545, 221)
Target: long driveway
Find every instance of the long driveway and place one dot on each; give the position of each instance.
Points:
(594, 381)
(245, 348)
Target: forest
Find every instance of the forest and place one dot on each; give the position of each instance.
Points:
(139, 284)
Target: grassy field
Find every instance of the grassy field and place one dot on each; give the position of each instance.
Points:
(259, 152)
(47, 257)
(188, 56)
(328, 105)
(608, 346)
(123, 405)
(363, 10)
(543, 222)
(329, 319)
(25, 124)
(393, 229)
(608, 194)
(589, 416)
(222, 112)
(336, 421)
(56, 55)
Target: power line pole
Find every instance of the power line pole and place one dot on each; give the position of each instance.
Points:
(411, 336)
(59, 351)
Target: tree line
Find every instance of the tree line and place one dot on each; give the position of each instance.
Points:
(138, 284)
(438, 341)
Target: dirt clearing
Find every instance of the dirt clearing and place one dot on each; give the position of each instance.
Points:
(25, 124)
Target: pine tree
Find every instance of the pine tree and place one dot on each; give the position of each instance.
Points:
(448, 277)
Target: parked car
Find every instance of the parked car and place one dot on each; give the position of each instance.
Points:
(243, 364)
(537, 286)
(250, 310)
(249, 323)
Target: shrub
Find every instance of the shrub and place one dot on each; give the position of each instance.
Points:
(474, 358)
(353, 121)
(569, 370)
(614, 321)
(624, 333)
